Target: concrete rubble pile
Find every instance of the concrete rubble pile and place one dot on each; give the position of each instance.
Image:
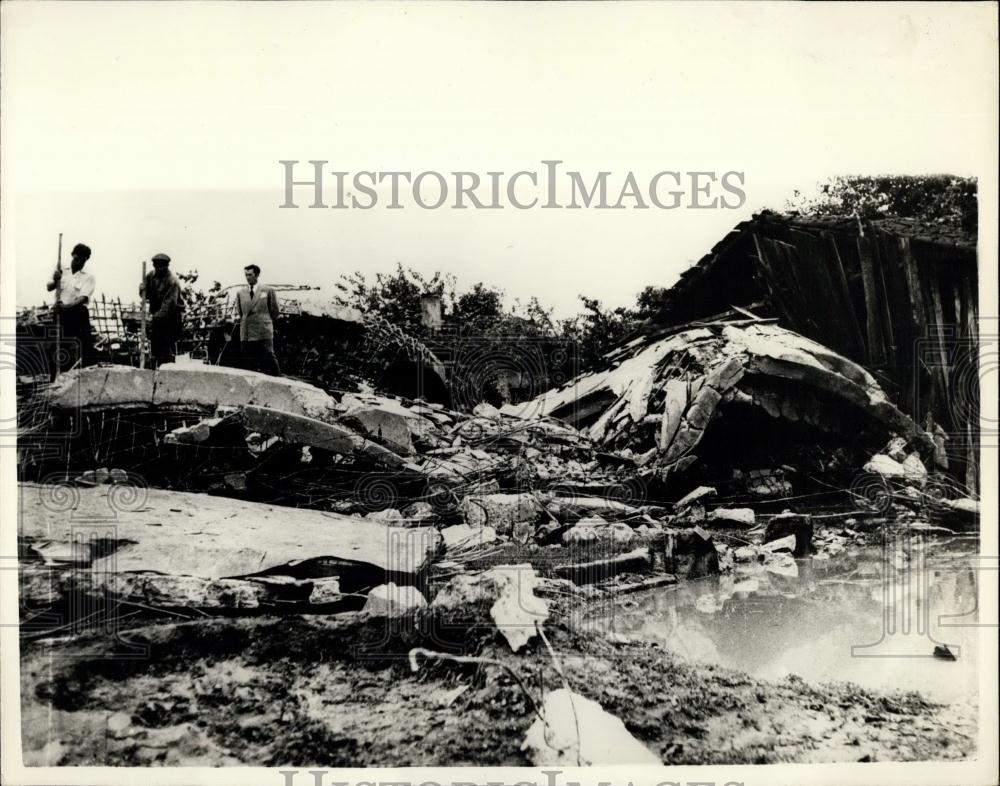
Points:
(746, 406)
(306, 488)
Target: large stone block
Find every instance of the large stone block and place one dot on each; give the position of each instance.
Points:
(500, 511)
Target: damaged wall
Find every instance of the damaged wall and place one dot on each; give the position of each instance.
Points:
(895, 295)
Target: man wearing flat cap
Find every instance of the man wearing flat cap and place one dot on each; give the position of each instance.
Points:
(257, 306)
(166, 307)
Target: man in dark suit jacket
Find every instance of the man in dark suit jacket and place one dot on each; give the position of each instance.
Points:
(257, 306)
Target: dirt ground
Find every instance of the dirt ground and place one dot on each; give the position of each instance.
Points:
(338, 690)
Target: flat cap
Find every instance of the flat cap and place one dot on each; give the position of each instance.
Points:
(161, 258)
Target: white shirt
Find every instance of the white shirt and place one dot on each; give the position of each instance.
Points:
(79, 284)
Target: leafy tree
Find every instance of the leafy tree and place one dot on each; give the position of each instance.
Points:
(480, 309)
(597, 329)
(944, 200)
(649, 301)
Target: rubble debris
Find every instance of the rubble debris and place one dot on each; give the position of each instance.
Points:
(459, 535)
(743, 517)
(636, 561)
(575, 731)
(94, 477)
(594, 528)
(911, 468)
(325, 590)
(694, 554)
(675, 393)
(787, 523)
(392, 600)
(182, 534)
(510, 591)
(700, 493)
(500, 511)
(167, 591)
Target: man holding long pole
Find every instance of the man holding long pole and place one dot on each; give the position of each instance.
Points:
(74, 339)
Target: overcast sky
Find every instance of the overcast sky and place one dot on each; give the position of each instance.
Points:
(147, 127)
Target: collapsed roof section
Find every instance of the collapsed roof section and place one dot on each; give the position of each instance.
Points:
(663, 400)
(896, 295)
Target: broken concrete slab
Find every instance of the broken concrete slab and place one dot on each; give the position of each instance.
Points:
(787, 543)
(911, 469)
(595, 506)
(636, 561)
(193, 434)
(325, 590)
(462, 535)
(166, 591)
(385, 424)
(195, 386)
(595, 528)
(665, 393)
(500, 511)
(392, 600)
(741, 517)
(180, 533)
(699, 494)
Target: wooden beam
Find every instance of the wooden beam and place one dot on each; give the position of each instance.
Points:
(876, 342)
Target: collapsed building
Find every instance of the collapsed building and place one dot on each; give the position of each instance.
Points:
(378, 481)
(896, 296)
(742, 404)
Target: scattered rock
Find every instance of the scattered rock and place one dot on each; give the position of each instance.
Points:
(500, 511)
(510, 591)
(743, 517)
(699, 494)
(464, 535)
(578, 732)
(636, 561)
(119, 724)
(788, 523)
(325, 590)
(392, 600)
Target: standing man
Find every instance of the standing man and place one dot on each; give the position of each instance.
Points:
(257, 306)
(166, 307)
(72, 309)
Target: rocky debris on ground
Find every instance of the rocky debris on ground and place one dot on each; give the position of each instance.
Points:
(454, 490)
(510, 592)
(179, 549)
(736, 517)
(391, 600)
(363, 450)
(796, 525)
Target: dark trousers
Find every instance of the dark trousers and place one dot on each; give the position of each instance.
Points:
(259, 356)
(76, 342)
(164, 334)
